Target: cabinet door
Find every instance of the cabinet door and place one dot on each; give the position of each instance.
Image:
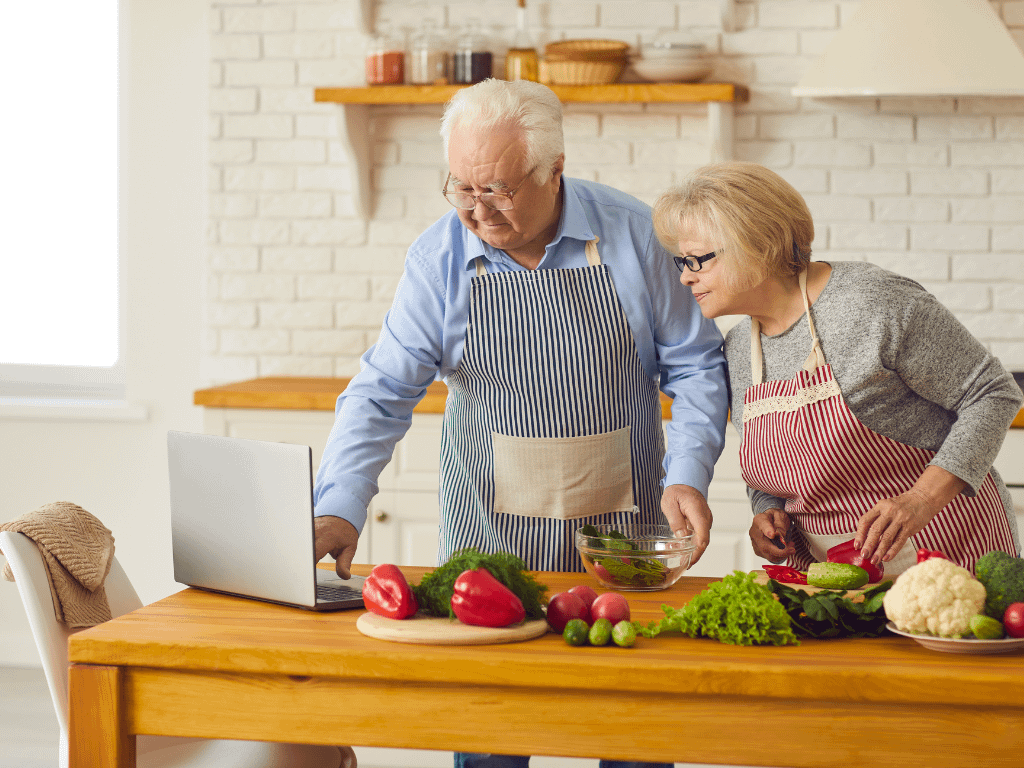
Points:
(730, 548)
(279, 426)
(282, 426)
(404, 528)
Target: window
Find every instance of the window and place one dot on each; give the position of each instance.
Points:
(61, 322)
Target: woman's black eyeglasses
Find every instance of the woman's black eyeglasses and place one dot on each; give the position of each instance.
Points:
(693, 262)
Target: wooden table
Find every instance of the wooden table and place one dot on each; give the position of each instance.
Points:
(200, 664)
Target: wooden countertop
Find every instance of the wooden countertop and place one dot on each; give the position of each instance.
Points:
(209, 665)
(320, 394)
(314, 394)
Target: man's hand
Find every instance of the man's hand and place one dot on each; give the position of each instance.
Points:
(688, 513)
(772, 524)
(338, 538)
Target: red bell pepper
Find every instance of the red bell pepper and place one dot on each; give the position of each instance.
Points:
(388, 594)
(482, 600)
(924, 554)
(848, 553)
(785, 575)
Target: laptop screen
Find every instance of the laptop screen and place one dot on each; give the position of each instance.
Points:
(242, 516)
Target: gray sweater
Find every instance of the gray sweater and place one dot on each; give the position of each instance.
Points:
(907, 367)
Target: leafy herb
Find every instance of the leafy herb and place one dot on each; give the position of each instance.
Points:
(435, 590)
(830, 613)
(634, 570)
(734, 610)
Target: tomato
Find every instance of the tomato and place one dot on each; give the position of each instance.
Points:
(1013, 619)
(611, 606)
(584, 593)
(926, 554)
(565, 606)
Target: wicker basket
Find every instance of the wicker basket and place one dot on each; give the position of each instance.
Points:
(590, 49)
(582, 72)
(584, 62)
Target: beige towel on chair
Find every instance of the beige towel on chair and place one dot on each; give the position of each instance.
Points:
(78, 551)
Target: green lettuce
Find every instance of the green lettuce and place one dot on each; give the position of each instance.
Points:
(734, 610)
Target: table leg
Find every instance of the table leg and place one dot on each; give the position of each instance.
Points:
(98, 730)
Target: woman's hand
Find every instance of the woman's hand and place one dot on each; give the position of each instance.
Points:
(688, 513)
(772, 524)
(885, 529)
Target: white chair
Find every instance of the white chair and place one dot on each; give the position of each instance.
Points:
(51, 638)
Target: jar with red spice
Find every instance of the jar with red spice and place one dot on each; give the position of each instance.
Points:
(385, 60)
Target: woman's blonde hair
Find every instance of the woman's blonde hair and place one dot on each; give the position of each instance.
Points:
(758, 223)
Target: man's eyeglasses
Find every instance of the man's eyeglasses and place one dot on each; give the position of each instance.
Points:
(693, 263)
(466, 201)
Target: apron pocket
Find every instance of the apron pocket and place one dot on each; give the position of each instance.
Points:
(563, 477)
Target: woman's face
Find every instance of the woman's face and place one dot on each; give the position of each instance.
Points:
(710, 285)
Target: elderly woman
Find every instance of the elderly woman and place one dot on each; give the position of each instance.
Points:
(866, 410)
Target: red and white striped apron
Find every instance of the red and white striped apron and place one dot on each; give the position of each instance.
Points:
(802, 443)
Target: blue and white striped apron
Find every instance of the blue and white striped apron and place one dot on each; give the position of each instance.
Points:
(551, 421)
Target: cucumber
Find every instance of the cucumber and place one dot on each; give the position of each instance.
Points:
(836, 576)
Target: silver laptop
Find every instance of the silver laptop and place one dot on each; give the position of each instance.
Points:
(242, 522)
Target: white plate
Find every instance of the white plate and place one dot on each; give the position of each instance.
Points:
(961, 645)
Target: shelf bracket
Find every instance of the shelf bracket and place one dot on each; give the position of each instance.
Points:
(727, 10)
(354, 136)
(364, 22)
(721, 130)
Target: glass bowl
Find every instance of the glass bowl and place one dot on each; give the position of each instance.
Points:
(634, 558)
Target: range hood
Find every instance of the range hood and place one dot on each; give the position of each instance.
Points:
(918, 48)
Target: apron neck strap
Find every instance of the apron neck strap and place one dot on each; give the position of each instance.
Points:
(593, 257)
(814, 361)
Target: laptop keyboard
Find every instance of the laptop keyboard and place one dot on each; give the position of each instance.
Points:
(327, 593)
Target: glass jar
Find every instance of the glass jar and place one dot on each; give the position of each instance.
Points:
(429, 57)
(385, 60)
(472, 60)
(521, 61)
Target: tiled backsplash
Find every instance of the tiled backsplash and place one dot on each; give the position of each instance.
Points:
(298, 285)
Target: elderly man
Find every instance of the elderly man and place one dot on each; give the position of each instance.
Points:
(554, 316)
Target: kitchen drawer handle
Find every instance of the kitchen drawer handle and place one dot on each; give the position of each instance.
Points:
(382, 517)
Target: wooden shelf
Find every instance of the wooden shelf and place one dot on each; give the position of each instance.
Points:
(606, 94)
(355, 104)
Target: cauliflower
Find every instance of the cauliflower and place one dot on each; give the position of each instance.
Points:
(936, 596)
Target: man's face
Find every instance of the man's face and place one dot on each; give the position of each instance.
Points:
(495, 161)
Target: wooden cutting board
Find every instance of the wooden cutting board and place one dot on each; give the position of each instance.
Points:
(762, 578)
(429, 630)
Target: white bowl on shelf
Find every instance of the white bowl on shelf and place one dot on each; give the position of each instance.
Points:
(669, 69)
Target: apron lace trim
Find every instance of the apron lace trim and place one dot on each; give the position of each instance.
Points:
(815, 393)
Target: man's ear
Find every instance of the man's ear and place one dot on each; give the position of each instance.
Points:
(558, 168)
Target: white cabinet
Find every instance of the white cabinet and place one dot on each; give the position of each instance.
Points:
(1010, 465)
(402, 526)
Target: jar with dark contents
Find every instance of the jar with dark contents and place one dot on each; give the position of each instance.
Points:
(385, 60)
(472, 60)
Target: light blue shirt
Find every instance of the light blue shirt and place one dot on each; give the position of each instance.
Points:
(423, 335)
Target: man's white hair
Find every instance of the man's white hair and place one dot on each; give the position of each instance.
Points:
(530, 107)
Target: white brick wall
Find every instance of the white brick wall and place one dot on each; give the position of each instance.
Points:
(931, 188)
